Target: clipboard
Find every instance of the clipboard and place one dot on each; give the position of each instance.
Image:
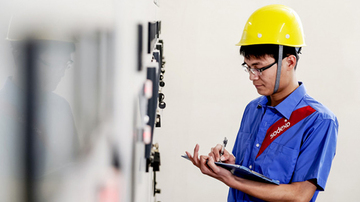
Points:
(243, 172)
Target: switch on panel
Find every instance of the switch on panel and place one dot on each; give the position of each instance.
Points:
(152, 35)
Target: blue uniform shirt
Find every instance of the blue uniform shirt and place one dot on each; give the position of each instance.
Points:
(299, 151)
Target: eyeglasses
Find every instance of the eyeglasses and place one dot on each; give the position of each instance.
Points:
(256, 72)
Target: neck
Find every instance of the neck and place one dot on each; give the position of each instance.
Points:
(281, 94)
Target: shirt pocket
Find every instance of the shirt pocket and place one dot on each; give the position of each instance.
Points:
(242, 144)
(280, 162)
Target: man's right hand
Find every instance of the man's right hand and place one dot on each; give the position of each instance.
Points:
(225, 158)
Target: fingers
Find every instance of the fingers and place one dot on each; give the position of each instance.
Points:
(225, 156)
(228, 158)
(196, 149)
(215, 152)
(196, 154)
(194, 159)
(200, 162)
(211, 164)
(215, 171)
(205, 167)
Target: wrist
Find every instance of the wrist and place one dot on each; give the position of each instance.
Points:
(234, 181)
(229, 180)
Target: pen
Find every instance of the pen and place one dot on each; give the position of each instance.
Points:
(223, 147)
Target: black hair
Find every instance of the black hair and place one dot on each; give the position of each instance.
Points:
(272, 50)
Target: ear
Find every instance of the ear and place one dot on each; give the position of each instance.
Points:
(291, 62)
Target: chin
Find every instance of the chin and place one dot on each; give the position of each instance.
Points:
(264, 92)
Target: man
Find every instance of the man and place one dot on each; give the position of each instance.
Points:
(54, 129)
(285, 134)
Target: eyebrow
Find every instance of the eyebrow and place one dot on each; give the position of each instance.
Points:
(254, 64)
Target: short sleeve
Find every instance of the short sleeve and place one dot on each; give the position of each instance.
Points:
(317, 152)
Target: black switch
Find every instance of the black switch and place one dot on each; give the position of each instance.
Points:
(156, 162)
(162, 84)
(158, 121)
(162, 105)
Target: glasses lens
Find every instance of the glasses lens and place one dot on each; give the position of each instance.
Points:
(245, 69)
(252, 71)
(255, 72)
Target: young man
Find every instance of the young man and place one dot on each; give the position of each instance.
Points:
(285, 134)
(54, 126)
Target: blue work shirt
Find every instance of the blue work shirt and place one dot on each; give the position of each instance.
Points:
(303, 151)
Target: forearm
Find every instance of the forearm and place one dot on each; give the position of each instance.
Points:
(299, 191)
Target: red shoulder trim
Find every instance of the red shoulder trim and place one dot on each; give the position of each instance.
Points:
(282, 125)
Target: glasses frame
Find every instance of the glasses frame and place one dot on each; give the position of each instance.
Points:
(255, 71)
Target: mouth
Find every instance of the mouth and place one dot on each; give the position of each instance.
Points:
(258, 85)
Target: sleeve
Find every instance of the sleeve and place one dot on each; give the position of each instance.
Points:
(316, 153)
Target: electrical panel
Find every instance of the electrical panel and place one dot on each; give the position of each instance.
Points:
(80, 109)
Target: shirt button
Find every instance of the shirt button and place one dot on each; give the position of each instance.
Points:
(257, 145)
(250, 166)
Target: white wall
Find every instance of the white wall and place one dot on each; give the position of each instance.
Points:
(206, 89)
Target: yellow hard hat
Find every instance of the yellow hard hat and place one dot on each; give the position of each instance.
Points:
(273, 24)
